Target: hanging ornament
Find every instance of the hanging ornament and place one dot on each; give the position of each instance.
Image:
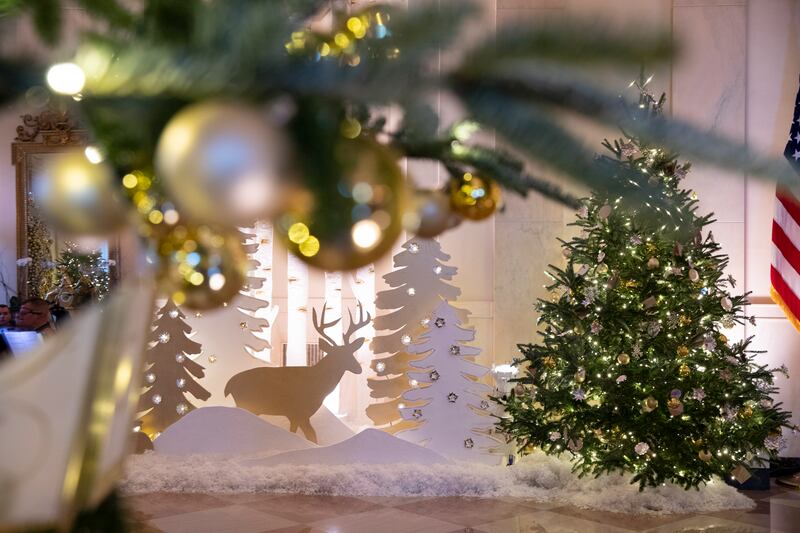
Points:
(677, 250)
(604, 212)
(353, 215)
(602, 268)
(519, 389)
(685, 320)
(429, 214)
(652, 263)
(549, 361)
(473, 196)
(704, 455)
(683, 370)
(746, 412)
(682, 351)
(675, 407)
(580, 375)
(79, 196)
(566, 252)
(726, 304)
(641, 448)
(201, 268)
(623, 359)
(649, 404)
(649, 302)
(223, 163)
(694, 275)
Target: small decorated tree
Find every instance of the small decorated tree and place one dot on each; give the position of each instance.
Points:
(633, 372)
(418, 284)
(452, 409)
(169, 373)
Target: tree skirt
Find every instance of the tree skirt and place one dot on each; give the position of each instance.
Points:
(539, 477)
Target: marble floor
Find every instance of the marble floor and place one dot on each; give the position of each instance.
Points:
(777, 510)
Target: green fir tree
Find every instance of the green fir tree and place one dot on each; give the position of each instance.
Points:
(634, 372)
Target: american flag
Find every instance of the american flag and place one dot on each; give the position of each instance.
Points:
(785, 270)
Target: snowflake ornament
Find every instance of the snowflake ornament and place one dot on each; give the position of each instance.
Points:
(452, 397)
(439, 322)
(579, 394)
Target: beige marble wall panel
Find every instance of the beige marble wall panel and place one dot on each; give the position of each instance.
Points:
(709, 90)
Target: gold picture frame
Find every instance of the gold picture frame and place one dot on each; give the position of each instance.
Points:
(41, 135)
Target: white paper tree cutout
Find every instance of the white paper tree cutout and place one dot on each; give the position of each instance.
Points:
(258, 316)
(451, 407)
(418, 284)
(169, 372)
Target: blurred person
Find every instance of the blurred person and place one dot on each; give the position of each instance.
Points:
(34, 315)
(5, 317)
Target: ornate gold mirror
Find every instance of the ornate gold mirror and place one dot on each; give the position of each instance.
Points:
(50, 265)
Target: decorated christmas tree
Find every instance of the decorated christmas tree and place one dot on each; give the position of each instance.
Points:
(418, 284)
(169, 373)
(633, 371)
(454, 416)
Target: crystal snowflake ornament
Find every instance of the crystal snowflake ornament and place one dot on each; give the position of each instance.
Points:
(434, 375)
(452, 397)
(164, 338)
(455, 349)
(439, 322)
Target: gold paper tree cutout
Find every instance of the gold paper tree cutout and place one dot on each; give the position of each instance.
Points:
(169, 372)
(418, 286)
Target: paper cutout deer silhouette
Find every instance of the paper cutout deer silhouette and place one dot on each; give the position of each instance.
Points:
(297, 392)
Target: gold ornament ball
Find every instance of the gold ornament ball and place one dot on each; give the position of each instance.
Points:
(224, 163)
(683, 370)
(79, 196)
(355, 215)
(704, 455)
(684, 320)
(429, 215)
(723, 339)
(623, 359)
(473, 196)
(201, 268)
(602, 268)
(683, 351)
(746, 412)
(652, 263)
(549, 361)
(580, 375)
(649, 404)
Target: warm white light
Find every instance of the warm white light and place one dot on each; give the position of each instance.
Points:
(216, 281)
(66, 78)
(93, 154)
(171, 217)
(366, 234)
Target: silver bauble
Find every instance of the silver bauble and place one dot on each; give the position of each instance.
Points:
(223, 163)
(78, 196)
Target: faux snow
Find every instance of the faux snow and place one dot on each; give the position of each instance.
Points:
(225, 430)
(539, 478)
(370, 447)
(329, 429)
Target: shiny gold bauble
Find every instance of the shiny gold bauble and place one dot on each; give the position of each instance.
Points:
(697, 442)
(683, 351)
(549, 361)
(429, 214)
(723, 339)
(746, 412)
(704, 455)
(353, 215)
(649, 404)
(683, 370)
(79, 197)
(652, 263)
(224, 163)
(201, 267)
(623, 359)
(602, 268)
(473, 196)
(685, 320)
(580, 375)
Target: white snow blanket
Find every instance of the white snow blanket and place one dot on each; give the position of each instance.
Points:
(370, 447)
(228, 431)
(539, 477)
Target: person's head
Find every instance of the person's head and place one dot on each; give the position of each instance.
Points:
(33, 314)
(5, 315)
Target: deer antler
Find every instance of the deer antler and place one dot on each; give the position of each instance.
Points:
(355, 326)
(321, 326)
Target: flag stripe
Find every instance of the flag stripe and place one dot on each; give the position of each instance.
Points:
(787, 272)
(788, 224)
(789, 203)
(790, 301)
(788, 250)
